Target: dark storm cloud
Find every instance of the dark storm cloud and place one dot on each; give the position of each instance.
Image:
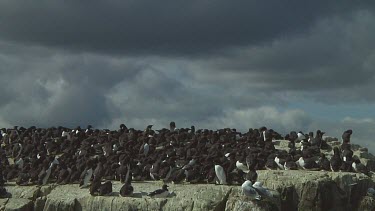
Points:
(164, 28)
(332, 62)
(158, 96)
(42, 87)
(210, 64)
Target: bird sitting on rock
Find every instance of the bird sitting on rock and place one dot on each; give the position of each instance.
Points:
(359, 167)
(249, 191)
(160, 193)
(105, 189)
(324, 163)
(127, 189)
(263, 192)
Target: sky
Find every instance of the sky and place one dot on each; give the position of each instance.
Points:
(288, 65)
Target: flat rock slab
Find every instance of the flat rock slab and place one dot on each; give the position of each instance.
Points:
(16, 204)
(23, 192)
(184, 197)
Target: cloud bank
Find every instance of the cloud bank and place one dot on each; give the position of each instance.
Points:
(287, 65)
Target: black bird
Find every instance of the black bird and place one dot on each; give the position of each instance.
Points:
(324, 163)
(172, 126)
(2, 179)
(336, 160)
(271, 164)
(99, 170)
(95, 187)
(127, 189)
(252, 175)
(105, 188)
(346, 136)
(63, 176)
(23, 178)
(290, 164)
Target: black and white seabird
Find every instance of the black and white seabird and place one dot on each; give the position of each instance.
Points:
(301, 136)
(241, 165)
(160, 193)
(44, 175)
(145, 148)
(290, 164)
(307, 163)
(280, 162)
(270, 162)
(359, 167)
(220, 174)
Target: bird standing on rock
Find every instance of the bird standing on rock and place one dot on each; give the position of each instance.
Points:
(220, 174)
(86, 175)
(336, 160)
(346, 136)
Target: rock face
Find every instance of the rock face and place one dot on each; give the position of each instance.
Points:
(315, 190)
(292, 190)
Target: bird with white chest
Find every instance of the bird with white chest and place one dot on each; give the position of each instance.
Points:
(220, 174)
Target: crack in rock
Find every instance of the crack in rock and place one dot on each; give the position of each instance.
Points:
(5, 204)
(223, 203)
(163, 203)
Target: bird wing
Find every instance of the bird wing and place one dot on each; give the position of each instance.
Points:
(82, 176)
(156, 192)
(249, 191)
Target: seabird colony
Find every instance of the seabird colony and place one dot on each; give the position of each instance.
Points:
(93, 158)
